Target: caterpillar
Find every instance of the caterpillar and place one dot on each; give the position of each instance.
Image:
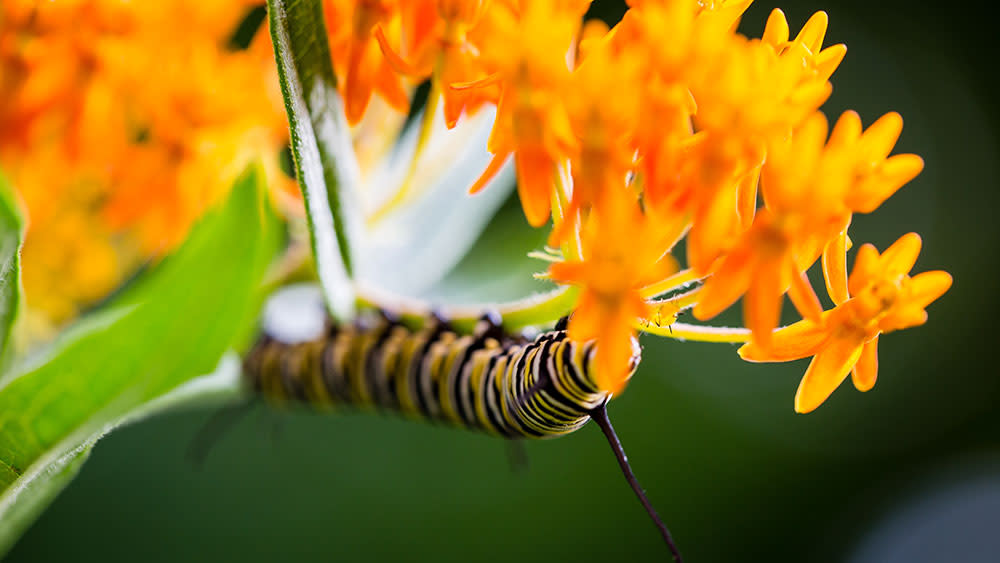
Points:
(506, 384)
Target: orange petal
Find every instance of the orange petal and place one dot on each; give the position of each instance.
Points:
(395, 60)
(887, 179)
(613, 354)
(535, 175)
(826, 372)
(587, 319)
(925, 288)
(804, 297)
(847, 130)
(358, 83)
(568, 272)
(899, 258)
(882, 135)
(479, 83)
(800, 340)
(496, 163)
(813, 31)
(726, 285)
(762, 302)
(713, 230)
(776, 29)
(866, 370)
(390, 88)
(827, 61)
(866, 264)
(746, 197)
(901, 317)
(835, 268)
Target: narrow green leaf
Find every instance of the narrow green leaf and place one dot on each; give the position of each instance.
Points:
(11, 238)
(325, 163)
(122, 363)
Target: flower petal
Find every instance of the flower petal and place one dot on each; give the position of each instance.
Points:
(535, 175)
(762, 303)
(776, 29)
(835, 268)
(866, 265)
(925, 288)
(804, 297)
(793, 342)
(813, 31)
(826, 372)
(866, 370)
(726, 285)
(899, 258)
(881, 136)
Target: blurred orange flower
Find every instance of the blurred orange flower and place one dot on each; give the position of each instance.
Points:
(121, 123)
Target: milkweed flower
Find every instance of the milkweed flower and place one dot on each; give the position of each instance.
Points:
(882, 298)
(810, 189)
(532, 123)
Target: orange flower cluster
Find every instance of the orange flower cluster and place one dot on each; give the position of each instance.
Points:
(120, 123)
(669, 126)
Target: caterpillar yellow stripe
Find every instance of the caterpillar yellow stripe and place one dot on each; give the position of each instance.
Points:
(500, 383)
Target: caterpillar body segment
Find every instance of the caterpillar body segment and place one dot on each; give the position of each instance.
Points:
(492, 381)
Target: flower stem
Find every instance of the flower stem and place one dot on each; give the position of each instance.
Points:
(698, 333)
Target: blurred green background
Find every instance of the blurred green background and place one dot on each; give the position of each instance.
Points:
(907, 472)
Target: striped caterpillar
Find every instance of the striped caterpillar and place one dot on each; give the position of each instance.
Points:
(505, 384)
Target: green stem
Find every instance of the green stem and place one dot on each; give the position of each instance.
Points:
(325, 163)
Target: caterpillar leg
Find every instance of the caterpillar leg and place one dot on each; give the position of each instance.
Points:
(600, 417)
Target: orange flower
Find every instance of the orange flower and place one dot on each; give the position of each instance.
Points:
(115, 162)
(532, 123)
(750, 95)
(356, 54)
(449, 56)
(883, 298)
(603, 112)
(623, 251)
(810, 188)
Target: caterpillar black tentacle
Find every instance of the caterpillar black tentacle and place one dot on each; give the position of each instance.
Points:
(491, 380)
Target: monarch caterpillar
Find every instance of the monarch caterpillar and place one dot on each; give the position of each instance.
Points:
(505, 384)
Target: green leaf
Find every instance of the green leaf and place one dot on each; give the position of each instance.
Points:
(11, 238)
(135, 357)
(325, 163)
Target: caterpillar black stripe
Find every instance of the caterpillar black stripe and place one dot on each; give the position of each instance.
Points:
(492, 381)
